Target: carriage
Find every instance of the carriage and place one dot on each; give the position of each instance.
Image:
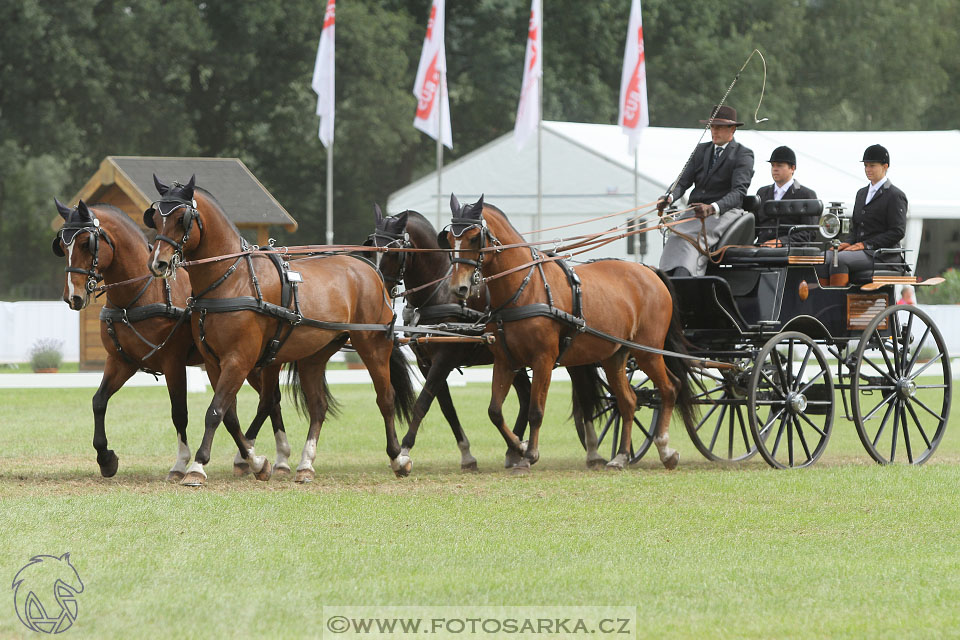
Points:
(787, 355)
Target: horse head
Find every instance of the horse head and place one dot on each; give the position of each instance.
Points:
(390, 232)
(86, 259)
(467, 236)
(178, 224)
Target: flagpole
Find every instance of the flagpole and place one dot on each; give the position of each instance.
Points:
(443, 82)
(330, 193)
(636, 198)
(539, 129)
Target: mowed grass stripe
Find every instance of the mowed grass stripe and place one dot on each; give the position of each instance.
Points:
(845, 549)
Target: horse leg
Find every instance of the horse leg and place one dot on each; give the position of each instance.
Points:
(267, 385)
(500, 386)
(376, 354)
(227, 379)
(542, 372)
(615, 368)
(312, 381)
(521, 382)
(668, 386)
(115, 373)
(176, 378)
(435, 386)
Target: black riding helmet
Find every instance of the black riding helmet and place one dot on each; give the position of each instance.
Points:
(876, 153)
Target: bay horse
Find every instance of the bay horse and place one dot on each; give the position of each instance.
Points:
(141, 325)
(241, 320)
(434, 305)
(540, 322)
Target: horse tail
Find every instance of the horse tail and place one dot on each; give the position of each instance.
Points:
(300, 398)
(588, 392)
(404, 397)
(679, 367)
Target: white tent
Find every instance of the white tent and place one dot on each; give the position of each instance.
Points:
(587, 172)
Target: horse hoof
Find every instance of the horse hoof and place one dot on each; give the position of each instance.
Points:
(241, 469)
(401, 466)
(672, 461)
(532, 456)
(304, 476)
(469, 467)
(596, 463)
(193, 479)
(265, 472)
(512, 459)
(616, 464)
(522, 468)
(109, 465)
(175, 477)
(281, 470)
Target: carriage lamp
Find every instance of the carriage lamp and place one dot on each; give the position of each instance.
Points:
(829, 225)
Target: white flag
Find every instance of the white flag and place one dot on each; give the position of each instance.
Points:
(528, 111)
(431, 81)
(323, 75)
(634, 116)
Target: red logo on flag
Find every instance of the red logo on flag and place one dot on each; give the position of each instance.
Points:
(433, 16)
(633, 100)
(328, 17)
(532, 37)
(428, 92)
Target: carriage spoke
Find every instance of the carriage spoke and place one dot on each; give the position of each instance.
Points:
(891, 366)
(776, 443)
(906, 435)
(927, 365)
(931, 386)
(803, 441)
(928, 409)
(743, 431)
(883, 423)
(885, 374)
(790, 439)
(766, 427)
(730, 430)
(803, 365)
(905, 341)
(781, 372)
(879, 404)
(895, 335)
(773, 385)
(812, 424)
(707, 417)
(813, 380)
(716, 432)
(896, 430)
(916, 354)
(916, 421)
(789, 365)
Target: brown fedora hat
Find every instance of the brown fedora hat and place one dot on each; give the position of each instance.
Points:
(724, 115)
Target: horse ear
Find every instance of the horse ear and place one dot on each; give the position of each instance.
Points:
(378, 214)
(477, 207)
(162, 188)
(454, 205)
(190, 185)
(63, 209)
(401, 218)
(84, 210)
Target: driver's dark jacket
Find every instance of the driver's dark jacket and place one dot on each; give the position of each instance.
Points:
(882, 223)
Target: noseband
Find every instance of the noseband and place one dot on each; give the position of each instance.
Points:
(392, 240)
(73, 231)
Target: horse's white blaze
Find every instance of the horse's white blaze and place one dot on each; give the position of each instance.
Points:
(183, 457)
(309, 454)
(70, 289)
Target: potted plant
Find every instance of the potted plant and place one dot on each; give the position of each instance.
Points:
(46, 356)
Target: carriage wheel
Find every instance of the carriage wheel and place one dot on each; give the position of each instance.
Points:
(791, 392)
(897, 400)
(607, 419)
(722, 432)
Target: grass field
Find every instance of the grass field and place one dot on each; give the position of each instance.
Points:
(844, 549)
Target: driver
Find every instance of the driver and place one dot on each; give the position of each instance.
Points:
(721, 171)
(879, 222)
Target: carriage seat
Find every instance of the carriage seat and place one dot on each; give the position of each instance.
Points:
(743, 231)
(895, 264)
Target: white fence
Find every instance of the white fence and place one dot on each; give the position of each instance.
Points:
(23, 323)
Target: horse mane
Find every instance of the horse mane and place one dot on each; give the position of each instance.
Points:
(220, 209)
(121, 218)
(506, 220)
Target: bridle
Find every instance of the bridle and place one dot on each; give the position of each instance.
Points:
(189, 215)
(458, 227)
(396, 241)
(69, 233)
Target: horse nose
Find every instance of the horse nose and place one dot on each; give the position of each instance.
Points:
(76, 303)
(462, 291)
(158, 267)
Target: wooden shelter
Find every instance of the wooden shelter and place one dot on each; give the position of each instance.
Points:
(126, 182)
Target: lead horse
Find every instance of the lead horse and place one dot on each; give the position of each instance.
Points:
(251, 308)
(541, 320)
(142, 324)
